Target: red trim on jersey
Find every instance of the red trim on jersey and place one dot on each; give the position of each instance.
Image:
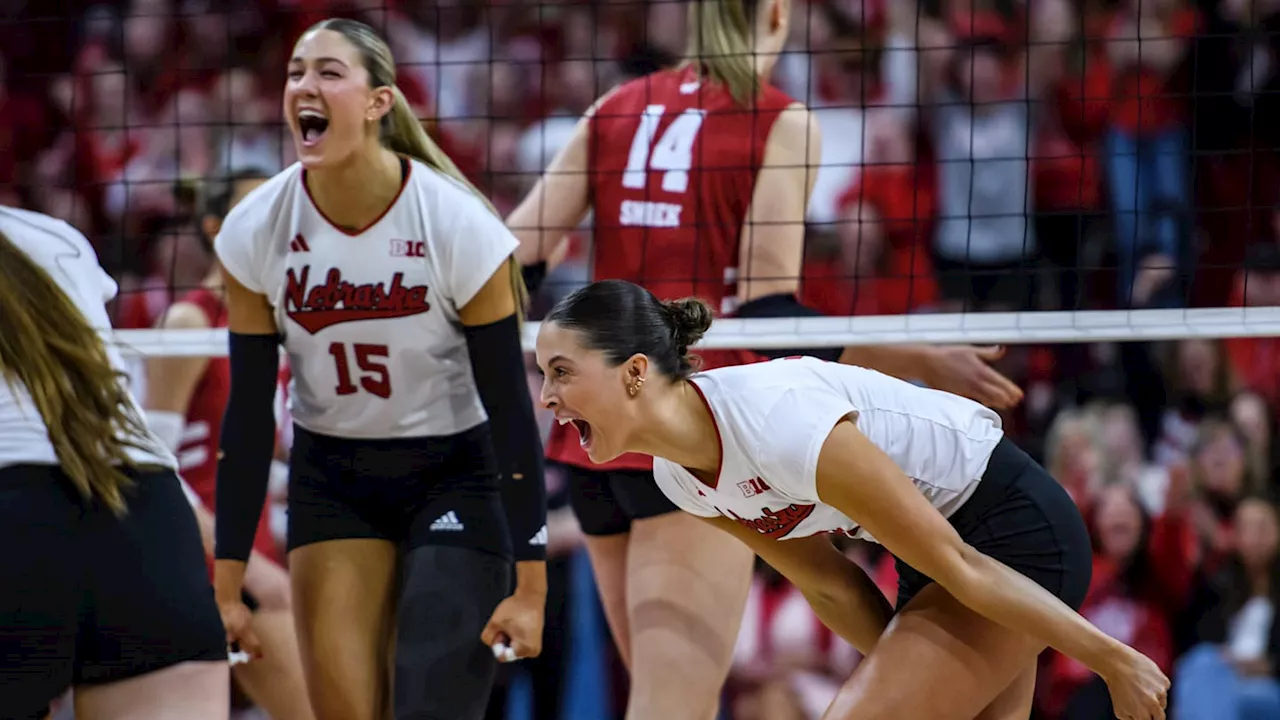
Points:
(719, 439)
(407, 168)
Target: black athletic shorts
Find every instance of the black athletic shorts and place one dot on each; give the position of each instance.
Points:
(607, 501)
(86, 597)
(1022, 517)
(411, 491)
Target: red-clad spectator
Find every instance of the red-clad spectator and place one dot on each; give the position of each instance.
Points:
(1234, 670)
(1220, 473)
(1256, 361)
(1146, 147)
(880, 264)
(1141, 579)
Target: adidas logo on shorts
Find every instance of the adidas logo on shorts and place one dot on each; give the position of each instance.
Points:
(539, 538)
(446, 522)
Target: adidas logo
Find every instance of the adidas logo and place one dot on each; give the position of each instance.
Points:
(447, 522)
(540, 538)
(299, 244)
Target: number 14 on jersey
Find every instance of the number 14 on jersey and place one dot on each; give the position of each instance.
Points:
(672, 155)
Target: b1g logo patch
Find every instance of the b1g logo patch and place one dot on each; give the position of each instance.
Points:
(753, 487)
(408, 248)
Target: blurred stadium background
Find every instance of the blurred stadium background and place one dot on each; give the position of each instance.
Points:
(1133, 165)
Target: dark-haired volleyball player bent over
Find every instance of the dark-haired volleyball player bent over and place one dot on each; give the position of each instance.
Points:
(392, 286)
(992, 553)
(698, 178)
(103, 587)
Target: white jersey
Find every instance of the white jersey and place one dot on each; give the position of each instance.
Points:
(69, 259)
(370, 319)
(773, 418)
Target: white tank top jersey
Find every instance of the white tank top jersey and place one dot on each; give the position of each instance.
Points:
(773, 418)
(70, 260)
(370, 319)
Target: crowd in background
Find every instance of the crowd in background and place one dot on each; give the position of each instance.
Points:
(978, 155)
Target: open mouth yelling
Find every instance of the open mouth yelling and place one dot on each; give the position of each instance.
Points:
(312, 126)
(584, 430)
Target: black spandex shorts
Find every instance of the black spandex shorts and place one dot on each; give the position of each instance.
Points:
(607, 501)
(411, 491)
(86, 597)
(1022, 517)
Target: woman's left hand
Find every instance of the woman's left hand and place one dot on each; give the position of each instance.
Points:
(966, 370)
(517, 624)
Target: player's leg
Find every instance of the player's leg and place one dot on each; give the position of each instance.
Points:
(275, 681)
(151, 643)
(455, 571)
(607, 529)
(687, 587)
(186, 691)
(343, 603)
(1016, 700)
(936, 642)
(343, 574)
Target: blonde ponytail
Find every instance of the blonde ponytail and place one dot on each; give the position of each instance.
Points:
(404, 134)
(402, 131)
(720, 46)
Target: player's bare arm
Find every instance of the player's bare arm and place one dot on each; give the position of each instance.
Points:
(172, 380)
(248, 312)
(861, 481)
(558, 202)
(960, 369)
(772, 243)
(839, 591)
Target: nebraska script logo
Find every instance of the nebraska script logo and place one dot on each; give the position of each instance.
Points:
(776, 524)
(338, 301)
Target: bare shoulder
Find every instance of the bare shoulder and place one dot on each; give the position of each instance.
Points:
(184, 316)
(795, 133)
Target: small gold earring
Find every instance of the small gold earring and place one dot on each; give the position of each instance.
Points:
(634, 388)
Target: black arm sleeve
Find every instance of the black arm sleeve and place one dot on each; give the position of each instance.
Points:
(247, 443)
(498, 363)
(534, 275)
(780, 306)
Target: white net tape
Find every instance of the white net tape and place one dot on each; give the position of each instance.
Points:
(978, 328)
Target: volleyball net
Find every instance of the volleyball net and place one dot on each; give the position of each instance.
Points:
(991, 172)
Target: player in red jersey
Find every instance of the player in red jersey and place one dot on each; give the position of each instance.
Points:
(699, 178)
(186, 397)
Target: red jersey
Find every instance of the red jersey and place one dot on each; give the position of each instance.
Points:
(198, 452)
(672, 168)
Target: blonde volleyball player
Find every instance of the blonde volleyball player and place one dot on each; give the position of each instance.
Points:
(992, 553)
(103, 588)
(392, 285)
(699, 178)
(186, 398)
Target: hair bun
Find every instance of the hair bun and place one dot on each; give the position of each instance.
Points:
(690, 318)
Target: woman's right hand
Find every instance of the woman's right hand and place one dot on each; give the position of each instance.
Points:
(237, 619)
(1139, 689)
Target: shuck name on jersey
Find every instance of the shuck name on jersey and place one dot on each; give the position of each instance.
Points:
(337, 301)
(638, 213)
(775, 524)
